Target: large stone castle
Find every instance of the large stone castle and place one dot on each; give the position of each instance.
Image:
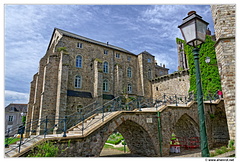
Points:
(77, 71)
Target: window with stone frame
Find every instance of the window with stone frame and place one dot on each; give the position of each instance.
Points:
(105, 67)
(129, 72)
(105, 86)
(79, 45)
(129, 88)
(149, 60)
(105, 52)
(79, 61)
(78, 81)
(117, 55)
(10, 118)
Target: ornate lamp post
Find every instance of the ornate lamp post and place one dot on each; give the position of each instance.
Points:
(194, 30)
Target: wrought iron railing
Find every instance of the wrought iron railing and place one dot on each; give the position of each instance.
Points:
(61, 124)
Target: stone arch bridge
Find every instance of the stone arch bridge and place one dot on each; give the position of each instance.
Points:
(146, 132)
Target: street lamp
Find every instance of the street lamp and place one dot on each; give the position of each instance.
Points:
(194, 30)
(207, 60)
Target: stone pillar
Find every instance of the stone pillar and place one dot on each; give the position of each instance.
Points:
(30, 106)
(118, 89)
(49, 94)
(224, 25)
(97, 67)
(62, 87)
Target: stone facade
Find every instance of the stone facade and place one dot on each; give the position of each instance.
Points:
(224, 25)
(176, 83)
(76, 71)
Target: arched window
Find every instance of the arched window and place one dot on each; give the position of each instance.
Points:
(79, 61)
(78, 81)
(129, 72)
(149, 74)
(105, 67)
(129, 88)
(105, 85)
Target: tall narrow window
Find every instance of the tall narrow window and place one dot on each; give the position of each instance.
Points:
(105, 85)
(79, 61)
(78, 81)
(129, 88)
(149, 74)
(79, 45)
(129, 72)
(10, 118)
(105, 67)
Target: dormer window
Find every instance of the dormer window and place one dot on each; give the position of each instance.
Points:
(105, 52)
(117, 55)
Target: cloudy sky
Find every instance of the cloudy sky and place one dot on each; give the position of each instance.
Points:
(28, 29)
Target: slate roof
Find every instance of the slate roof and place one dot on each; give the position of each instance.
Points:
(66, 33)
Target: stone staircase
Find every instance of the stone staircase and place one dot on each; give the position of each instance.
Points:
(94, 121)
(80, 129)
(13, 149)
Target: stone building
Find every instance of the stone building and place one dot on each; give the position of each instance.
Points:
(76, 71)
(224, 25)
(13, 117)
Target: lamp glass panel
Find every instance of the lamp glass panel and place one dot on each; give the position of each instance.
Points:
(188, 31)
(201, 30)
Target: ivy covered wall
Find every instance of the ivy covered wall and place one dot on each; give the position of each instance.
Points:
(209, 72)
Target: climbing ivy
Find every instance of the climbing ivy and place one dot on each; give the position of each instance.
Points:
(209, 72)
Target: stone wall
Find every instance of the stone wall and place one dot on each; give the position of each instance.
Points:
(176, 83)
(224, 25)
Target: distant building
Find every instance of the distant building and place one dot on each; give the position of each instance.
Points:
(13, 118)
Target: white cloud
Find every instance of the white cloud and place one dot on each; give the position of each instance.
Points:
(15, 97)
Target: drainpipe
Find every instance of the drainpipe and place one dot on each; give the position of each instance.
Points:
(159, 133)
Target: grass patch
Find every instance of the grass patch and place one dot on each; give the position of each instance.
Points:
(223, 149)
(106, 146)
(11, 140)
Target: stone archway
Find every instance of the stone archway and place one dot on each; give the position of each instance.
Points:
(186, 127)
(137, 139)
(135, 134)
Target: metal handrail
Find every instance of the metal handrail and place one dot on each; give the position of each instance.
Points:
(63, 123)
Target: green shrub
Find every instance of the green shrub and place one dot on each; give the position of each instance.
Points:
(219, 151)
(46, 149)
(231, 144)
